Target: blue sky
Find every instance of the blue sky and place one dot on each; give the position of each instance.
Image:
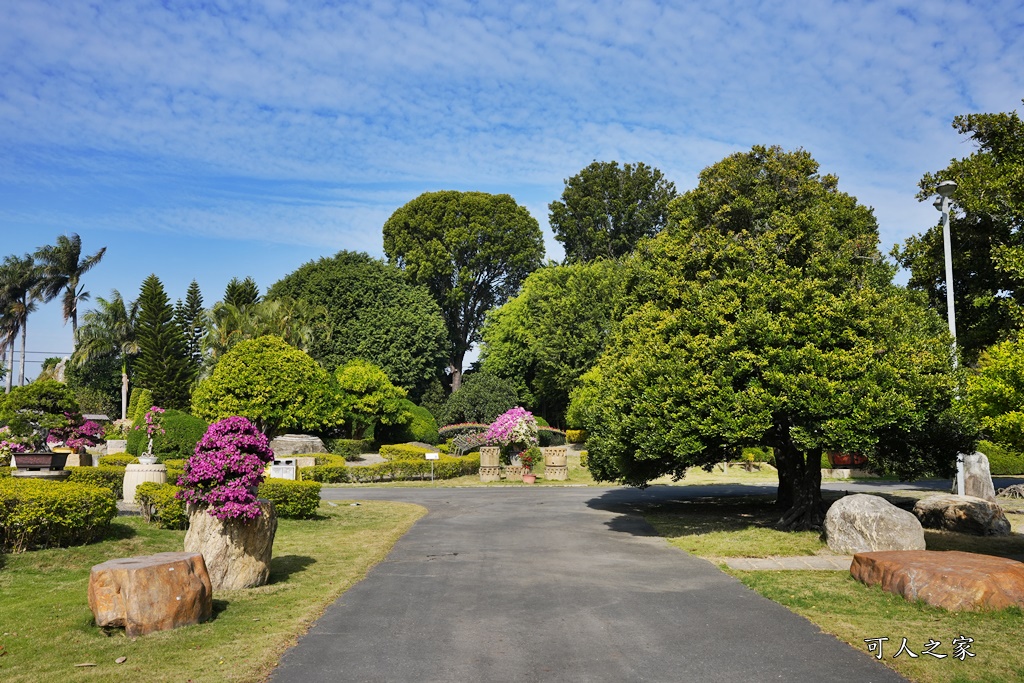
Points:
(208, 140)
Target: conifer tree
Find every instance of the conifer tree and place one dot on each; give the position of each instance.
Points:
(241, 293)
(189, 316)
(163, 365)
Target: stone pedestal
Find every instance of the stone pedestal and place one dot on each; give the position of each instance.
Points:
(555, 456)
(490, 473)
(82, 459)
(514, 472)
(553, 473)
(137, 474)
(489, 456)
(237, 552)
(151, 593)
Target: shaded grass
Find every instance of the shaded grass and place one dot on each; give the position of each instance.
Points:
(842, 606)
(46, 626)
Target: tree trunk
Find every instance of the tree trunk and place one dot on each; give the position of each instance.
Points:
(21, 378)
(456, 374)
(10, 366)
(799, 495)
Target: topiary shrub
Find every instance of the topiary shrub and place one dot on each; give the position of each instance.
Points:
(159, 502)
(482, 398)
(292, 499)
(350, 449)
(44, 514)
(1002, 460)
(143, 399)
(410, 469)
(400, 451)
(421, 427)
(118, 460)
(107, 476)
(328, 474)
(181, 434)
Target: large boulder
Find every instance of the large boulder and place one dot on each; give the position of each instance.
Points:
(862, 523)
(237, 552)
(965, 514)
(953, 580)
(151, 593)
(296, 444)
(978, 477)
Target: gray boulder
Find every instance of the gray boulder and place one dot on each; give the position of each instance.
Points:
(964, 514)
(296, 444)
(237, 552)
(978, 477)
(862, 523)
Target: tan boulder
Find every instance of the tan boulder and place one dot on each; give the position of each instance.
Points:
(151, 593)
(296, 444)
(953, 580)
(863, 523)
(978, 477)
(237, 552)
(965, 514)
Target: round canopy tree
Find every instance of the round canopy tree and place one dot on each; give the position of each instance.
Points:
(373, 314)
(764, 316)
(274, 385)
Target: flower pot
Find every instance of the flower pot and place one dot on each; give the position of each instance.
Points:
(846, 459)
(529, 478)
(147, 459)
(42, 461)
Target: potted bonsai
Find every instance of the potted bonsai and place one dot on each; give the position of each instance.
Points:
(530, 457)
(152, 426)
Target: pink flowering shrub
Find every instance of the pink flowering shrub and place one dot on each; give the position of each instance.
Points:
(516, 427)
(226, 469)
(75, 435)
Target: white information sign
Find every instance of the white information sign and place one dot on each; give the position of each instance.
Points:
(433, 456)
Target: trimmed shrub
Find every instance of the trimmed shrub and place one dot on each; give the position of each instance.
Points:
(575, 435)
(143, 401)
(159, 502)
(350, 449)
(410, 469)
(549, 436)
(482, 398)
(1002, 460)
(328, 474)
(401, 451)
(108, 476)
(118, 460)
(292, 499)
(421, 427)
(6, 471)
(44, 514)
(181, 434)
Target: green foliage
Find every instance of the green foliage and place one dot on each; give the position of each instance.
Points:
(764, 316)
(5, 471)
(134, 398)
(482, 398)
(987, 228)
(144, 401)
(472, 250)
(995, 394)
(606, 210)
(292, 499)
(421, 427)
(189, 317)
(1002, 461)
(433, 397)
(272, 384)
(328, 474)
(544, 339)
(39, 404)
(416, 469)
(158, 501)
(350, 449)
(181, 434)
(163, 366)
(401, 451)
(373, 314)
(61, 267)
(575, 435)
(531, 456)
(368, 398)
(119, 460)
(104, 347)
(44, 514)
(107, 475)
(241, 293)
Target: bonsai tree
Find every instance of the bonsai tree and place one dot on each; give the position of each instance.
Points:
(32, 411)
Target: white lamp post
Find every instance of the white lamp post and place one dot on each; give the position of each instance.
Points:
(945, 190)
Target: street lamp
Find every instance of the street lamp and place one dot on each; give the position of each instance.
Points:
(945, 190)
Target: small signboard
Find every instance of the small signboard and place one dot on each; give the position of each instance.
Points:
(433, 456)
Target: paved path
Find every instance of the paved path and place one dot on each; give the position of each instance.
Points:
(813, 562)
(556, 585)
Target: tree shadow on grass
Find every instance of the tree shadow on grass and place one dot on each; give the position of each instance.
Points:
(219, 607)
(117, 532)
(283, 566)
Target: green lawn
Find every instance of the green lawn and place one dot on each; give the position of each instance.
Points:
(46, 626)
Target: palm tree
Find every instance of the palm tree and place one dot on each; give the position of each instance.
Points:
(19, 282)
(109, 331)
(62, 267)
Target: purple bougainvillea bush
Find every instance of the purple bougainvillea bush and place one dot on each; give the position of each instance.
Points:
(226, 469)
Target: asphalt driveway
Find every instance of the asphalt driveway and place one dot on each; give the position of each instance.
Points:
(556, 584)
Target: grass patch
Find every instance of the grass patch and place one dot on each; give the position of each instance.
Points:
(46, 626)
(842, 606)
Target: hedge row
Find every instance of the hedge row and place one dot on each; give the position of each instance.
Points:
(292, 499)
(44, 514)
(575, 435)
(107, 476)
(395, 470)
(119, 460)
(402, 451)
(350, 449)
(157, 501)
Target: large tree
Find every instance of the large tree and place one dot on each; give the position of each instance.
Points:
(190, 318)
(552, 332)
(19, 293)
(108, 332)
(765, 316)
(986, 231)
(373, 314)
(62, 267)
(162, 366)
(606, 209)
(471, 250)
